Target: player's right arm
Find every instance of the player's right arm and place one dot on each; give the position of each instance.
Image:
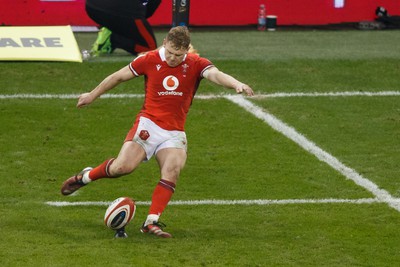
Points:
(108, 83)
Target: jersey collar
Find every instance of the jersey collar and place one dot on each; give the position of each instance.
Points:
(161, 52)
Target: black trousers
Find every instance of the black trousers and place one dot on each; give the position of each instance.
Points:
(130, 29)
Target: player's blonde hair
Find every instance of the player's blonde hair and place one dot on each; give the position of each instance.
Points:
(179, 37)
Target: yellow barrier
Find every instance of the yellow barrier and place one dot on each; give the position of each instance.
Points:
(50, 43)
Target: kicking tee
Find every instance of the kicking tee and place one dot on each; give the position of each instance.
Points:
(169, 91)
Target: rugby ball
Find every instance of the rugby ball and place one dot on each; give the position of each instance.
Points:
(120, 212)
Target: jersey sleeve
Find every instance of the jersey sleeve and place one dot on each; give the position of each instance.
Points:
(137, 65)
(203, 65)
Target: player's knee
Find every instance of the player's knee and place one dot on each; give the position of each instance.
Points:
(171, 173)
(121, 169)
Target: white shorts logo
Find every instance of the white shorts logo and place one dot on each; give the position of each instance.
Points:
(170, 83)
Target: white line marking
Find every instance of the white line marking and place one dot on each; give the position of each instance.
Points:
(37, 96)
(75, 96)
(328, 94)
(210, 96)
(260, 202)
(309, 146)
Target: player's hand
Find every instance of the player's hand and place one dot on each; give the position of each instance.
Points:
(84, 100)
(244, 88)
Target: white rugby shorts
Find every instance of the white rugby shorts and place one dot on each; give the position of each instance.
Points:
(153, 138)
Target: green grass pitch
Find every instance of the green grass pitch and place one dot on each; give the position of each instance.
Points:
(308, 214)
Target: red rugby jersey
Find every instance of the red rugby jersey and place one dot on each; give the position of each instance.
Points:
(169, 91)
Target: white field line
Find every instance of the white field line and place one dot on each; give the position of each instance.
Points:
(328, 94)
(291, 133)
(75, 96)
(210, 96)
(215, 202)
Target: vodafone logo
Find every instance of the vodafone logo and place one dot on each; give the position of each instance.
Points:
(170, 83)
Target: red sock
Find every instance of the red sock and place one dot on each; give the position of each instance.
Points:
(161, 196)
(101, 171)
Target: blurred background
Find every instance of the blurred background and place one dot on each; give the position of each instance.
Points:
(204, 12)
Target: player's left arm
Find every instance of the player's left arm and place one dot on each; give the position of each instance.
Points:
(216, 76)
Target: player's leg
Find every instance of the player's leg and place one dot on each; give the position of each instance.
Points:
(130, 156)
(135, 37)
(132, 33)
(171, 162)
(102, 44)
